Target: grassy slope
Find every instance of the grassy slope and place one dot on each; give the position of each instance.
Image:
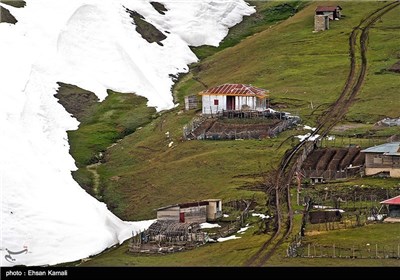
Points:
(236, 252)
(298, 66)
(267, 14)
(101, 125)
(380, 95)
(142, 173)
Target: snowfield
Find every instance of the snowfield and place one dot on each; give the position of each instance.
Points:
(46, 217)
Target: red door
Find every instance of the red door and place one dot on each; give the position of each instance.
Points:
(181, 217)
(230, 103)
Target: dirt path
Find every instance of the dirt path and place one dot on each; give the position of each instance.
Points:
(96, 179)
(353, 84)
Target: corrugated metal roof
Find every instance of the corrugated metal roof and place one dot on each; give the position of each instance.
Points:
(388, 149)
(327, 8)
(236, 89)
(188, 204)
(392, 201)
(168, 206)
(193, 204)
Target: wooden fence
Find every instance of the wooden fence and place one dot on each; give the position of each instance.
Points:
(356, 251)
(189, 130)
(329, 175)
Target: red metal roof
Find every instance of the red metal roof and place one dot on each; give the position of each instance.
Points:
(327, 8)
(235, 89)
(392, 201)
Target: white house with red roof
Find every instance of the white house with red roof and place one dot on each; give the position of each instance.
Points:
(233, 97)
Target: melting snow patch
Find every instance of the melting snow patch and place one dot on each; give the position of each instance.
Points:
(242, 230)
(309, 128)
(378, 217)
(222, 239)
(327, 208)
(321, 207)
(262, 216)
(208, 225)
(93, 45)
(308, 137)
(312, 138)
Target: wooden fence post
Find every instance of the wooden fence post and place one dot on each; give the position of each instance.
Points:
(315, 254)
(384, 256)
(334, 255)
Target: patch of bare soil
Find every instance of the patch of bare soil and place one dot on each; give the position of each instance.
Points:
(348, 126)
(240, 127)
(148, 31)
(159, 7)
(14, 3)
(395, 67)
(6, 16)
(75, 100)
(236, 129)
(314, 232)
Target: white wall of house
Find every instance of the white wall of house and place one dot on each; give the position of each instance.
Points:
(213, 104)
(241, 101)
(209, 106)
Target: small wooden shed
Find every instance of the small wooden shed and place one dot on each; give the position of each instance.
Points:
(394, 206)
(333, 12)
(190, 102)
(325, 215)
(321, 22)
(323, 14)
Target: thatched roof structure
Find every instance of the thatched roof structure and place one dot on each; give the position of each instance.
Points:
(171, 228)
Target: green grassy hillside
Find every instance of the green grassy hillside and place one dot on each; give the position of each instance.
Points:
(300, 67)
(102, 124)
(153, 166)
(297, 65)
(236, 252)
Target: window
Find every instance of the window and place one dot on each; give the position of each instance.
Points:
(378, 160)
(216, 102)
